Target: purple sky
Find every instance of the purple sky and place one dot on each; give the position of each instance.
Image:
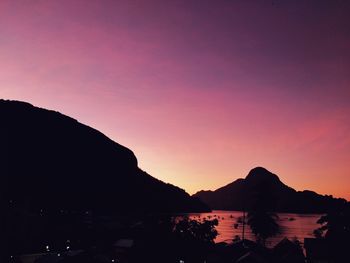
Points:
(201, 91)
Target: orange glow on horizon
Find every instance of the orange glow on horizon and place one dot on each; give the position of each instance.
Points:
(200, 93)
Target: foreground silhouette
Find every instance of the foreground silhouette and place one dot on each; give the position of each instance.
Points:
(166, 239)
(261, 218)
(332, 241)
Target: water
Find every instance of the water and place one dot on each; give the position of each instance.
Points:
(298, 226)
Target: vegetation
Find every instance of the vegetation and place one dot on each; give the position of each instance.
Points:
(335, 231)
(335, 225)
(263, 225)
(201, 231)
(173, 239)
(261, 219)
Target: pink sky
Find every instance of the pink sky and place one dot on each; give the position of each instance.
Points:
(201, 91)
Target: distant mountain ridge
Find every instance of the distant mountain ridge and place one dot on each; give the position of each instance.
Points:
(239, 195)
(51, 161)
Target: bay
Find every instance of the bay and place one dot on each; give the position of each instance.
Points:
(293, 226)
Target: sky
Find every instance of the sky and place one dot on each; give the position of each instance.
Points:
(201, 91)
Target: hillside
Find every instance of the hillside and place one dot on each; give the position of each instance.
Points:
(241, 194)
(50, 161)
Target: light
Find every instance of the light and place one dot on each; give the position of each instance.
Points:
(67, 247)
(112, 260)
(58, 255)
(47, 248)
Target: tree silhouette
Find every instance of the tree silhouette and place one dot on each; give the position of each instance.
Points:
(200, 231)
(170, 239)
(335, 225)
(263, 225)
(261, 218)
(335, 229)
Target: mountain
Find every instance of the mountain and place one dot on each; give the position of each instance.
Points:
(242, 193)
(50, 161)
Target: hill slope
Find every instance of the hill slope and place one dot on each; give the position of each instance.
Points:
(51, 161)
(241, 194)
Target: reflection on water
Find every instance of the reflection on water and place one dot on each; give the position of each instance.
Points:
(297, 226)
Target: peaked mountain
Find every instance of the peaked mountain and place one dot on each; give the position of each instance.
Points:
(242, 193)
(50, 161)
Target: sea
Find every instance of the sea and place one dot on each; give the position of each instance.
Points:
(293, 226)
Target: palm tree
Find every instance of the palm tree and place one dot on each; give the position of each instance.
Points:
(261, 219)
(263, 225)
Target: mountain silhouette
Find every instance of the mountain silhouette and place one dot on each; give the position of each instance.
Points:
(241, 194)
(50, 161)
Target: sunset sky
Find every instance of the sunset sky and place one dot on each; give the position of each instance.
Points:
(201, 91)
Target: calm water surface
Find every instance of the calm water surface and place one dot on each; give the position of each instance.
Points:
(297, 226)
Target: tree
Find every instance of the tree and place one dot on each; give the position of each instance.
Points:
(335, 230)
(261, 219)
(170, 239)
(263, 225)
(334, 225)
(194, 238)
(194, 230)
